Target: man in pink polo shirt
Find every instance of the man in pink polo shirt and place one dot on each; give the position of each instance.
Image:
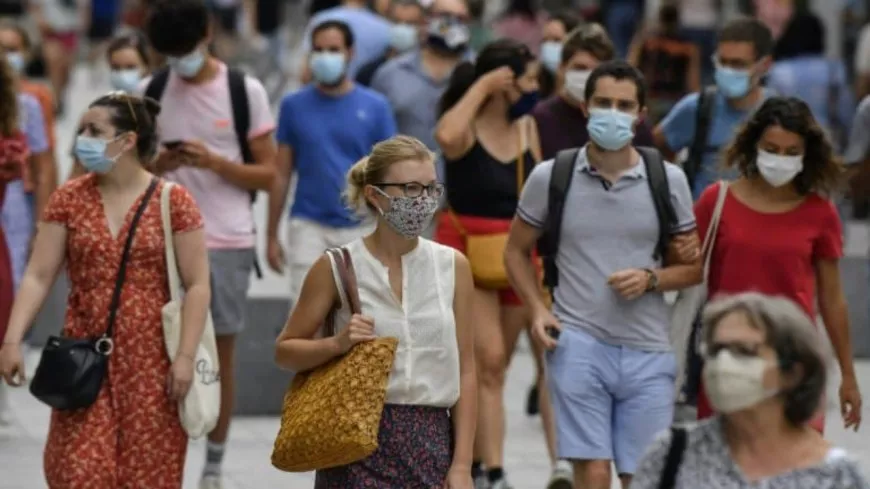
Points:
(201, 149)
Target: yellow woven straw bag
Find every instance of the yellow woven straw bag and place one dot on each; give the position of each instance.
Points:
(332, 413)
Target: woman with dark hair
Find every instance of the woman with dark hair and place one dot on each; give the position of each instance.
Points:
(132, 433)
(489, 145)
(766, 372)
(778, 232)
(523, 21)
(556, 30)
(802, 70)
(14, 156)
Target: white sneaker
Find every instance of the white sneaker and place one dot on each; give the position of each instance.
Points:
(210, 482)
(481, 482)
(500, 484)
(562, 476)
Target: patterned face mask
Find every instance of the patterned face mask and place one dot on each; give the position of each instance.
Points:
(409, 216)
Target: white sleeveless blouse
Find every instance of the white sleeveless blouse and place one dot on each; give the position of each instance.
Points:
(426, 369)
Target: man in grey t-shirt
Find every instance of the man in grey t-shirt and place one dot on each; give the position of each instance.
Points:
(611, 371)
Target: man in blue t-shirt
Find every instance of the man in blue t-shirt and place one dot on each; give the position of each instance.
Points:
(323, 129)
(742, 58)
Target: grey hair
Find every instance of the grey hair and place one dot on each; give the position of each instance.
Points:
(792, 335)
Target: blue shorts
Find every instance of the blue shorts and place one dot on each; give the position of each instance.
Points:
(609, 401)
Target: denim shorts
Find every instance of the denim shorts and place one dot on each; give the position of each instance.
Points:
(609, 401)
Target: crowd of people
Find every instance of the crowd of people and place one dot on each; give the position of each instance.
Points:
(556, 173)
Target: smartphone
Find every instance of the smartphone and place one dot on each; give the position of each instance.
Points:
(173, 144)
(553, 332)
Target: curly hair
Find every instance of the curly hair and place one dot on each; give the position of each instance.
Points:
(8, 100)
(822, 170)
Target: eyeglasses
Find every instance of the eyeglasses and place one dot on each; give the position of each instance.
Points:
(119, 95)
(416, 189)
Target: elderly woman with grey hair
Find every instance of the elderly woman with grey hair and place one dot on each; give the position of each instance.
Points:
(765, 374)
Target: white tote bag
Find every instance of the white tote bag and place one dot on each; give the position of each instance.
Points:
(690, 301)
(198, 410)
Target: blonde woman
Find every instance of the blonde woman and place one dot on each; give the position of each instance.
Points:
(417, 291)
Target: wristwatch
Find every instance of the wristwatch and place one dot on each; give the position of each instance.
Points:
(652, 280)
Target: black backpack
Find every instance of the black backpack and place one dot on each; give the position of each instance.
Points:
(241, 118)
(703, 116)
(560, 182)
(238, 100)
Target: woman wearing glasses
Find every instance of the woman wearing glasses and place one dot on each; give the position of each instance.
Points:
(131, 436)
(417, 291)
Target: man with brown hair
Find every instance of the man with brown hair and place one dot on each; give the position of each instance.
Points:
(560, 118)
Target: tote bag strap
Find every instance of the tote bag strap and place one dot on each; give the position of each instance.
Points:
(125, 257)
(347, 276)
(713, 228)
(169, 242)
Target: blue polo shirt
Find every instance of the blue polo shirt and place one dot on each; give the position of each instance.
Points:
(328, 135)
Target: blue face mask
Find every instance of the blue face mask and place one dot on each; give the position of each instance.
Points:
(610, 129)
(327, 68)
(125, 80)
(733, 83)
(16, 61)
(189, 65)
(551, 55)
(524, 105)
(91, 152)
(403, 37)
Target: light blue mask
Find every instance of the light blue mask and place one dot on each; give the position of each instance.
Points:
(403, 37)
(327, 68)
(125, 80)
(189, 65)
(733, 83)
(16, 61)
(91, 152)
(551, 55)
(610, 129)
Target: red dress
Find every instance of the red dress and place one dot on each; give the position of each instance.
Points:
(774, 254)
(131, 437)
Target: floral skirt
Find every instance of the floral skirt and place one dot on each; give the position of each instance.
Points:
(415, 450)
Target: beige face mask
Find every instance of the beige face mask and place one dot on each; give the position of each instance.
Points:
(735, 383)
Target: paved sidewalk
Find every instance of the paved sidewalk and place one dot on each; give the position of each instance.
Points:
(247, 463)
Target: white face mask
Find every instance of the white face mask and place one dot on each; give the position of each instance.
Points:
(575, 83)
(734, 383)
(778, 170)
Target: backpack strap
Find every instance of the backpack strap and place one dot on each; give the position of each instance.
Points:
(660, 189)
(674, 458)
(157, 85)
(560, 182)
(241, 111)
(703, 116)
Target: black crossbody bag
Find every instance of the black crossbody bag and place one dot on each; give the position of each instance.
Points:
(71, 370)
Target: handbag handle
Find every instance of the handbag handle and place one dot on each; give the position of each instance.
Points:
(713, 228)
(125, 257)
(347, 277)
(169, 243)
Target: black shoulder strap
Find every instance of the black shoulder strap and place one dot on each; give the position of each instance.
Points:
(674, 458)
(703, 116)
(657, 178)
(125, 257)
(157, 85)
(560, 182)
(241, 111)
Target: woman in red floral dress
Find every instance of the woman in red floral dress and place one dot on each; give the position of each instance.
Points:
(131, 437)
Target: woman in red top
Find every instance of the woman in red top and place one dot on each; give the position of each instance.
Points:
(778, 233)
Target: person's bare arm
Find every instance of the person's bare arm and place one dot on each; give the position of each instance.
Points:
(661, 143)
(635, 49)
(679, 270)
(464, 413)
(296, 348)
(693, 73)
(280, 188)
(519, 264)
(255, 176)
(45, 171)
(193, 270)
(48, 255)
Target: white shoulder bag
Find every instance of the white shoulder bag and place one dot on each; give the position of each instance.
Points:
(201, 406)
(690, 301)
